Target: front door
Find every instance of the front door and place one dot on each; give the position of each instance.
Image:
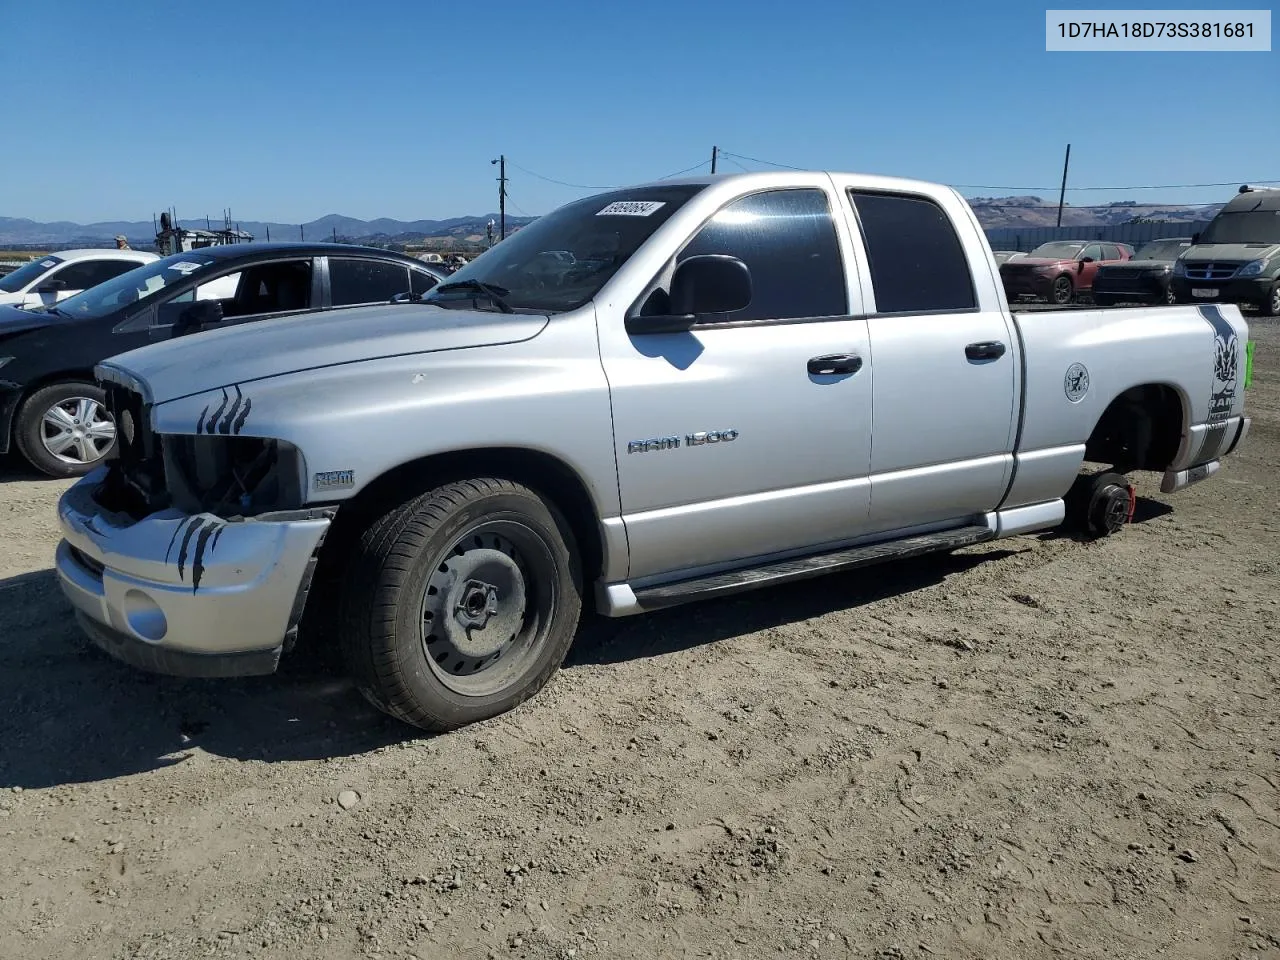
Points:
(945, 368)
(731, 442)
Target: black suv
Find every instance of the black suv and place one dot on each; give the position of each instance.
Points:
(50, 406)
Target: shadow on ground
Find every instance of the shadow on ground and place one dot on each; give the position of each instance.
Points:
(14, 469)
(69, 714)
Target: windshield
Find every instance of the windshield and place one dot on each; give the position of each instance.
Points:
(133, 286)
(1247, 226)
(20, 278)
(561, 261)
(1057, 251)
(1161, 250)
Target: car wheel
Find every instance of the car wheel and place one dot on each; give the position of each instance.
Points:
(64, 429)
(1103, 300)
(1271, 306)
(460, 603)
(1063, 291)
(1169, 296)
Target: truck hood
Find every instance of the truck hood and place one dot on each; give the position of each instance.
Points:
(188, 365)
(1242, 252)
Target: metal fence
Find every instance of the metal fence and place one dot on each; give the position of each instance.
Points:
(1026, 239)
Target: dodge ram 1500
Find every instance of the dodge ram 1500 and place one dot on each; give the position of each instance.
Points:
(647, 397)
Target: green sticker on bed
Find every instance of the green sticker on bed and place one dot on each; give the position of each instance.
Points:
(1248, 364)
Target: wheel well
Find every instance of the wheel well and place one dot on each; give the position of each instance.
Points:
(539, 471)
(1141, 429)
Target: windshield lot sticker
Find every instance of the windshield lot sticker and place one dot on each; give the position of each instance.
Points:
(631, 208)
(47, 263)
(1076, 382)
(1226, 363)
(185, 267)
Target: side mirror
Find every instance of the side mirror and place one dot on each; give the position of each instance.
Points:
(52, 286)
(1195, 238)
(185, 318)
(1084, 260)
(406, 296)
(702, 285)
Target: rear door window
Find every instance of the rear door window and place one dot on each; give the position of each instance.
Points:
(353, 282)
(916, 258)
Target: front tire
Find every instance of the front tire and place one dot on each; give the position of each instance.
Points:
(64, 429)
(1063, 291)
(1271, 306)
(461, 603)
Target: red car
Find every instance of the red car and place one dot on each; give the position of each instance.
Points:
(1060, 270)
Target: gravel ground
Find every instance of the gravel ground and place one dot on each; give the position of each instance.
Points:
(1037, 748)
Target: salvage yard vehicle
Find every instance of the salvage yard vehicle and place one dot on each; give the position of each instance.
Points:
(46, 280)
(50, 407)
(685, 410)
(1061, 270)
(1236, 259)
(1144, 279)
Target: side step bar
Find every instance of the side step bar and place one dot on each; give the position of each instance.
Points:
(802, 568)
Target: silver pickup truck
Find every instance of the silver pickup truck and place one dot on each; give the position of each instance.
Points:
(647, 397)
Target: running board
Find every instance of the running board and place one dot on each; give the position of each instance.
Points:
(802, 568)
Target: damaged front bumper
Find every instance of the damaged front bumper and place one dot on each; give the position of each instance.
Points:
(187, 595)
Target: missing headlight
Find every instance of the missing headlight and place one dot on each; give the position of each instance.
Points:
(232, 475)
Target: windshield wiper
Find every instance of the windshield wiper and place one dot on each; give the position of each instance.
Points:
(494, 292)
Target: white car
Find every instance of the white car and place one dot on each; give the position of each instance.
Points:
(46, 280)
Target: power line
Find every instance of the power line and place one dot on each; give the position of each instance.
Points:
(737, 164)
(700, 163)
(562, 183)
(768, 163)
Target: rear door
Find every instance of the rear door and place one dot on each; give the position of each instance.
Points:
(943, 359)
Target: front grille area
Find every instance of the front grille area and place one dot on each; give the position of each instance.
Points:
(1211, 271)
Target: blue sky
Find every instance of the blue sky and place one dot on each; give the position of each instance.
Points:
(287, 110)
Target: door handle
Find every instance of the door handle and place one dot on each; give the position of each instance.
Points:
(986, 350)
(835, 363)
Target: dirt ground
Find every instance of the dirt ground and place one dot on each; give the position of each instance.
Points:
(1039, 748)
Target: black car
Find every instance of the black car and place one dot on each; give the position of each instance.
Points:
(1144, 279)
(50, 407)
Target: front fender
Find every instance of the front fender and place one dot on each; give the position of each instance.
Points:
(354, 422)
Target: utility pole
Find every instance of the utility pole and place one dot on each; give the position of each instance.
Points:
(302, 234)
(714, 152)
(1062, 194)
(502, 195)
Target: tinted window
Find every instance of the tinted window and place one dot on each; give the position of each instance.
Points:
(365, 281)
(422, 281)
(1110, 252)
(89, 273)
(788, 242)
(15, 281)
(916, 259)
(1092, 250)
(271, 288)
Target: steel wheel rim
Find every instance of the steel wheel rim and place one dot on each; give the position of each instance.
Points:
(1115, 508)
(1169, 296)
(1275, 301)
(77, 430)
(485, 611)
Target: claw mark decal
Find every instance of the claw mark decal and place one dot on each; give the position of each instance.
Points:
(205, 531)
(217, 413)
(1226, 363)
(229, 417)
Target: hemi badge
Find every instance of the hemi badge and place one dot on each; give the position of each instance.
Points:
(335, 480)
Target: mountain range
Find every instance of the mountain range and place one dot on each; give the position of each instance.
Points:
(992, 212)
(20, 232)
